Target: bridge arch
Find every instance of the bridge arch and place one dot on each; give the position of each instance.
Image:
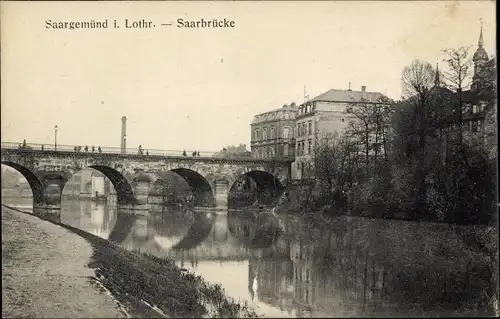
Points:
(124, 192)
(202, 191)
(266, 188)
(203, 194)
(36, 185)
(168, 188)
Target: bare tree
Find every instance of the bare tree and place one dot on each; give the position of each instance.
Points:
(333, 163)
(361, 128)
(458, 78)
(382, 121)
(417, 81)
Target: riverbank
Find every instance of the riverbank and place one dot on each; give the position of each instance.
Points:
(44, 272)
(157, 285)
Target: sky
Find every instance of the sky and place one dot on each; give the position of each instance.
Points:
(198, 89)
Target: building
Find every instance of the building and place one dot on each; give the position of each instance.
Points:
(324, 117)
(88, 184)
(272, 133)
(479, 112)
(478, 106)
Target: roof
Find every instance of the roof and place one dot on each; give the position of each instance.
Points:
(492, 62)
(480, 54)
(334, 95)
(283, 108)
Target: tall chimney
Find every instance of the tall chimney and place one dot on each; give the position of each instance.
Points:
(123, 145)
(349, 86)
(363, 88)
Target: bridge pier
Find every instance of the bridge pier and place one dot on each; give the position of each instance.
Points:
(221, 194)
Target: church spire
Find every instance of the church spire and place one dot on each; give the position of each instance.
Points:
(480, 56)
(480, 43)
(437, 80)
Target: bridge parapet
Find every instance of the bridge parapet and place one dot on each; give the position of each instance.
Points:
(73, 149)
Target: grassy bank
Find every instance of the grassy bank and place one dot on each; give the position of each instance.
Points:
(158, 282)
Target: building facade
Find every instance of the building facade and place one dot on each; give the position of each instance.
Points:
(272, 133)
(479, 113)
(478, 120)
(88, 184)
(325, 117)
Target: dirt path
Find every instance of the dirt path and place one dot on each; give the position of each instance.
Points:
(44, 272)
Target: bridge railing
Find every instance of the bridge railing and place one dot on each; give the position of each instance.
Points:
(116, 150)
(108, 150)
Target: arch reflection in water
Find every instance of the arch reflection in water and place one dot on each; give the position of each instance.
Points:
(93, 217)
(198, 232)
(255, 228)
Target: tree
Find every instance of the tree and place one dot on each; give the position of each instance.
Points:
(457, 79)
(333, 163)
(232, 151)
(361, 128)
(383, 113)
(417, 80)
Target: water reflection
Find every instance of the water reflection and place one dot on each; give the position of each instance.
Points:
(350, 268)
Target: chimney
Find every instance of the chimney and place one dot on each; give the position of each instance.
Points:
(363, 88)
(349, 86)
(123, 144)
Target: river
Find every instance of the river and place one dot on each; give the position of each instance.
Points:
(349, 267)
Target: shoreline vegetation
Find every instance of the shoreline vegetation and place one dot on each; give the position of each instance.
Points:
(155, 287)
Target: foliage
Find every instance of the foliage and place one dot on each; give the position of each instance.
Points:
(232, 151)
(410, 159)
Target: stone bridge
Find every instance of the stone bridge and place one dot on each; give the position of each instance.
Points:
(209, 178)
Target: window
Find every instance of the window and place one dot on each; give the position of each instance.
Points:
(285, 150)
(309, 146)
(475, 126)
(476, 109)
(256, 135)
(310, 125)
(286, 132)
(286, 115)
(264, 134)
(271, 134)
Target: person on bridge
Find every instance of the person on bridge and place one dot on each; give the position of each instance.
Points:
(184, 153)
(147, 152)
(86, 148)
(198, 153)
(93, 149)
(194, 153)
(24, 144)
(99, 149)
(75, 149)
(42, 147)
(139, 152)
